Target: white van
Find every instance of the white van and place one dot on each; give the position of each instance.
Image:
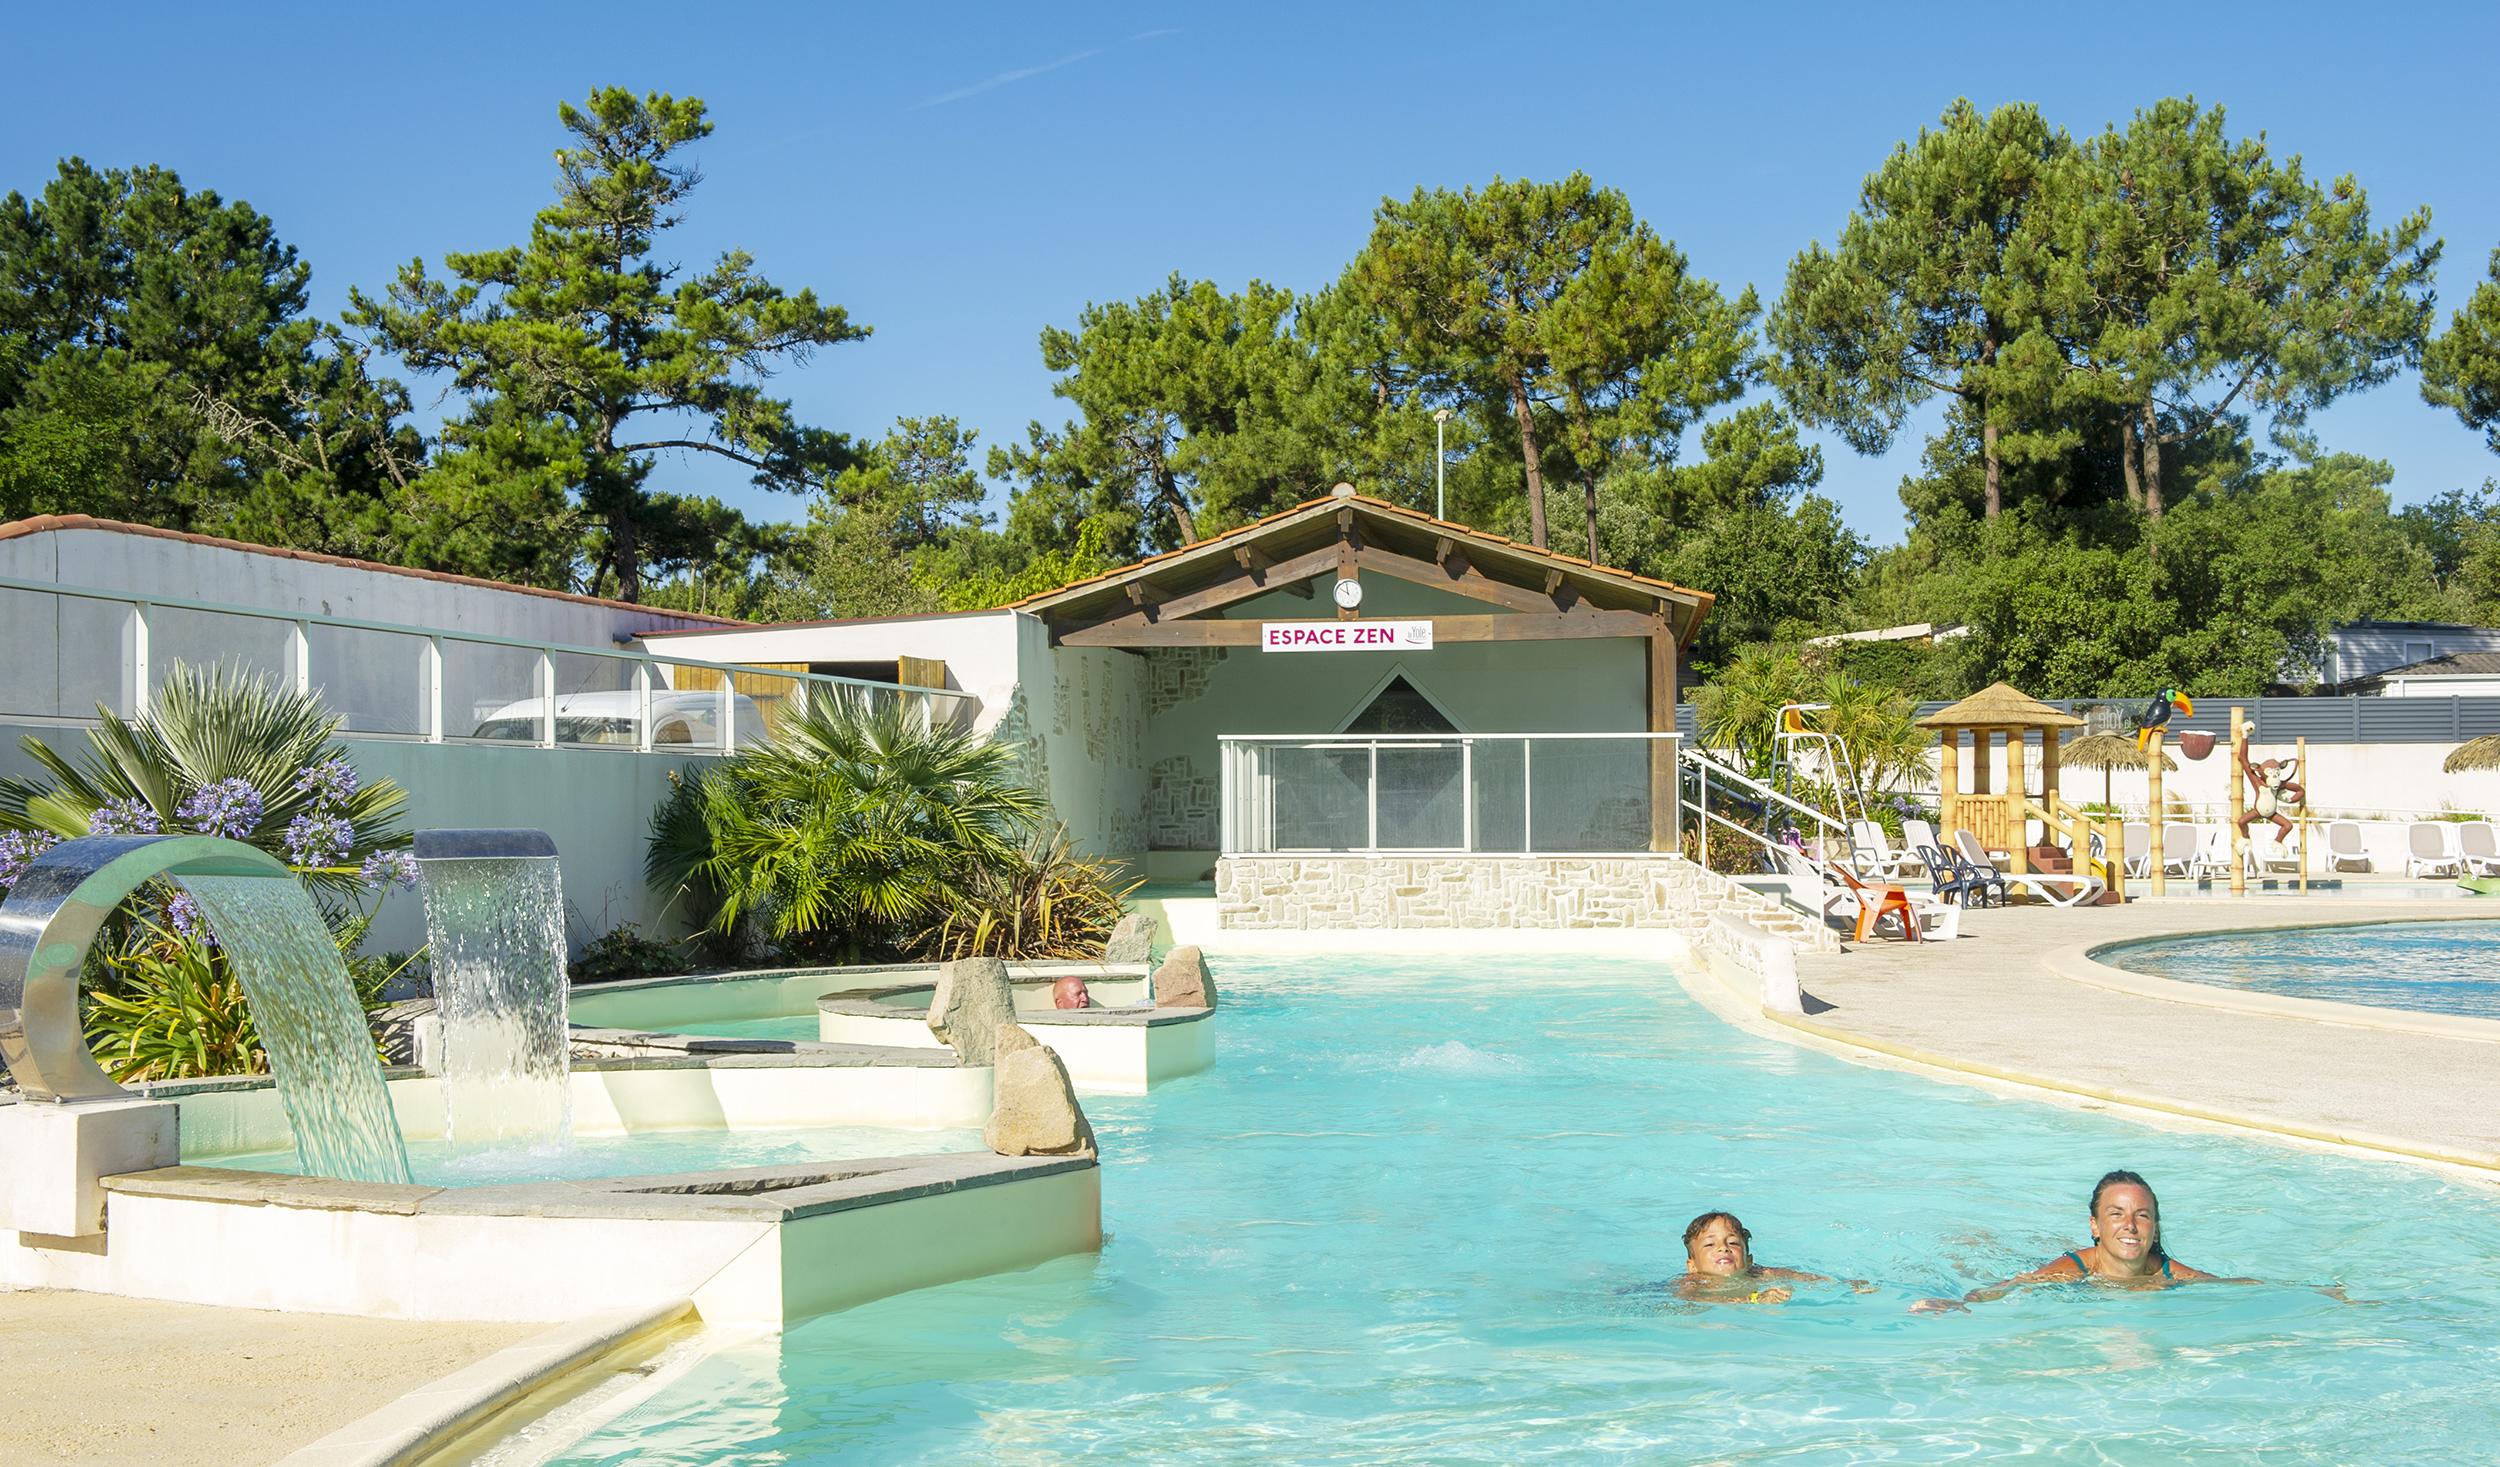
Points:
(678, 720)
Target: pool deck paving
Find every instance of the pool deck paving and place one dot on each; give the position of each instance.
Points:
(2012, 999)
(101, 1381)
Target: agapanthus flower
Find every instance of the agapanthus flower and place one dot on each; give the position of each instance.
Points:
(318, 840)
(183, 915)
(125, 817)
(331, 783)
(18, 850)
(390, 868)
(230, 807)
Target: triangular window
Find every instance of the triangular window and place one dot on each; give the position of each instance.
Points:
(1400, 708)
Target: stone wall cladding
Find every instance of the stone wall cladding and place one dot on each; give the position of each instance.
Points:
(1668, 893)
(1185, 815)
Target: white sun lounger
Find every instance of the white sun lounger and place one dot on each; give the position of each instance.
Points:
(1872, 855)
(2431, 849)
(2478, 845)
(2060, 891)
(2344, 851)
(2135, 837)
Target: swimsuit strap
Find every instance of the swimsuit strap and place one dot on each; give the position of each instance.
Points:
(2165, 1265)
(2080, 1266)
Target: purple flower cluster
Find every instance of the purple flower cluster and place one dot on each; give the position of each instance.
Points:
(125, 817)
(331, 783)
(318, 839)
(18, 850)
(230, 807)
(183, 914)
(390, 868)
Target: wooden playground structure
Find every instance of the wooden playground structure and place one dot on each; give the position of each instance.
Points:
(1998, 806)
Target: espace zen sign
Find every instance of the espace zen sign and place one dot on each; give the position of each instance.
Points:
(1345, 636)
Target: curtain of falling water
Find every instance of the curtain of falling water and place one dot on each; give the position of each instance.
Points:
(329, 1077)
(496, 929)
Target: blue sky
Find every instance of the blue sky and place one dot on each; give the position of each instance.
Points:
(959, 178)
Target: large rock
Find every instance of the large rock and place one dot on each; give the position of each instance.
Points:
(973, 999)
(1036, 1113)
(1183, 981)
(1132, 941)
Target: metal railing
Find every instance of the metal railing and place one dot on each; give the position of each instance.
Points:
(1555, 794)
(1772, 811)
(2342, 718)
(67, 650)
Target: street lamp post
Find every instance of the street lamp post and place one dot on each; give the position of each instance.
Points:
(1440, 466)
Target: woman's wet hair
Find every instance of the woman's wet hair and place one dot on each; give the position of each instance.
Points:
(2117, 1179)
(1693, 1229)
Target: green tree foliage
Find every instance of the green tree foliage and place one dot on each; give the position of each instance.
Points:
(156, 365)
(892, 533)
(1189, 398)
(2197, 275)
(1554, 303)
(1929, 287)
(2461, 368)
(582, 356)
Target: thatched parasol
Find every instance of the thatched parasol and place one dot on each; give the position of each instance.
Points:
(2109, 753)
(2473, 755)
(2000, 705)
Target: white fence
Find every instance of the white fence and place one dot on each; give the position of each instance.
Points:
(1424, 794)
(66, 651)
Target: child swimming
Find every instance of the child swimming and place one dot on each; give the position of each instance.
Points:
(1719, 1266)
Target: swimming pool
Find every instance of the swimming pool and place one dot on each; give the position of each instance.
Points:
(1408, 1216)
(2435, 967)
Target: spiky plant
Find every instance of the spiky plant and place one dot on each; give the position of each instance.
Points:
(1046, 903)
(857, 822)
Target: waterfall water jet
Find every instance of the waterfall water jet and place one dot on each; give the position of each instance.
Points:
(494, 919)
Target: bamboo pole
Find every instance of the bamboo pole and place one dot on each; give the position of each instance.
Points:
(2239, 803)
(2300, 751)
(2153, 818)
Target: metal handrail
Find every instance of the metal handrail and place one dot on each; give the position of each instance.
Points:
(1713, 767)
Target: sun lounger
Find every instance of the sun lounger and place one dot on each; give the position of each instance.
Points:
(1871, 852)
(2135, 837)
(1869, 903)
(2062, 891)
(2431, 849)
(2478, 845)
(2344, 851)
(2180, 845)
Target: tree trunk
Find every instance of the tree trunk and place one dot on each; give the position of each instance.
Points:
(625, 554)
(1169, 490)
(2126, 464)
(1527, 451)
(1588, 481)
(2150, 445)
(1995, 469)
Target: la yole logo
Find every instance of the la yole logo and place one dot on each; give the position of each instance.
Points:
(1345, 636)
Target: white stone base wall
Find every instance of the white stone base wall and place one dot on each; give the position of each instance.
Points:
(1667, 892)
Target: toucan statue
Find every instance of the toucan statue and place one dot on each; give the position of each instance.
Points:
(2157, 713)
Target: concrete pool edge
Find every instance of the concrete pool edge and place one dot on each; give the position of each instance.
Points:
(425, 1421)
(2082, 963)
(1732, 995)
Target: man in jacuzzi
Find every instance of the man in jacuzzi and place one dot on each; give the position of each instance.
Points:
(1719, 1266)
(2126, 1250)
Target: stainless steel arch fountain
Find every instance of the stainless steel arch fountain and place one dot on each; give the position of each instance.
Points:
(50, 920)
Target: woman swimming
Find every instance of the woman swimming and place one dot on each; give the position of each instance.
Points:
(1719, 1266)
(2126, 1250)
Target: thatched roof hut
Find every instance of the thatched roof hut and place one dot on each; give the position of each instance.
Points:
(2000, 705)
(2474, 755)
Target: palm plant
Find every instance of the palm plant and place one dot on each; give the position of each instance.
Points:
(219, 753)
(857, 821)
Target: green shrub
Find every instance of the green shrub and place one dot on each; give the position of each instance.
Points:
(623, 952)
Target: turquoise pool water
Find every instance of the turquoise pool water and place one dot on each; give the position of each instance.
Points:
(438, 1164)
(2436, 967)
(802, 1027)
(1409, 1215)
